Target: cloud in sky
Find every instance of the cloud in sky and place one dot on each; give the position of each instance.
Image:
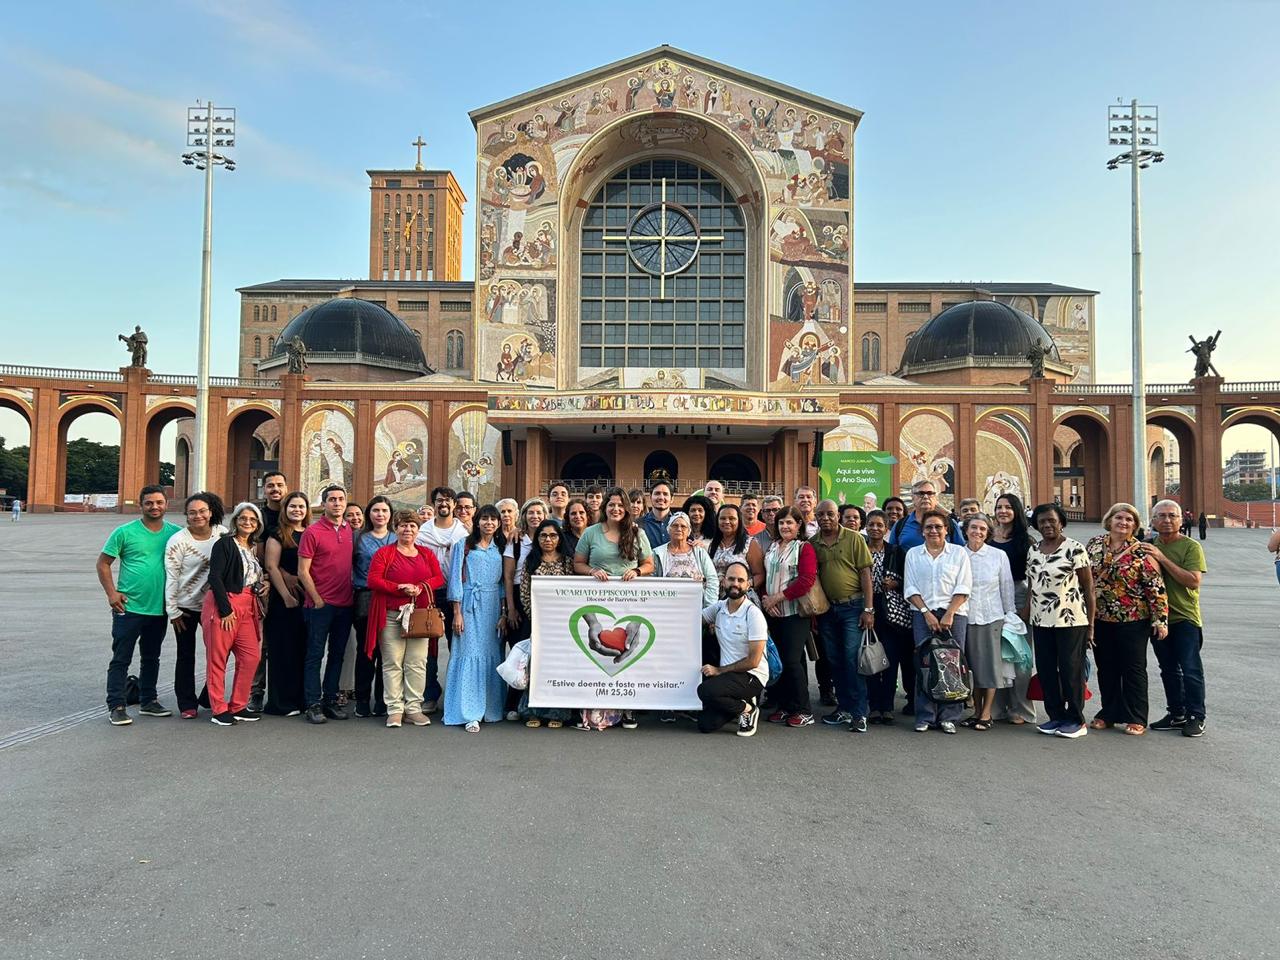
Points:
(270, 27)
(140, 127)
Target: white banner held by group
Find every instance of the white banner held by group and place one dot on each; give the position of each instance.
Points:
(616, 645)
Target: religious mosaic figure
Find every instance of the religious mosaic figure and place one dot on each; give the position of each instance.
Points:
(137, 344)
(1203, 349)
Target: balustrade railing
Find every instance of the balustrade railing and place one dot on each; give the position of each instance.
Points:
(1252, 386)
(61, 373)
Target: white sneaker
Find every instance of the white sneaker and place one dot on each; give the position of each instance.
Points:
(922, 728)
(947, 726)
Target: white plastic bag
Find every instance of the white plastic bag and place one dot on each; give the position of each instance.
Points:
(515, 669)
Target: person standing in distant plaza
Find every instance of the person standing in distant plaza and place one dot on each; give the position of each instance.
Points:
(186, 564)
(136, 599)
(1204, 525)
(275, 486)
(731, 690)
(654, 523)
(230, 619)
(17, 510)
(325, 555)
(1182, 563)
(439, 535)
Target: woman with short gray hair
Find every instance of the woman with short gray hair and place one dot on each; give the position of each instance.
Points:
(991, 599)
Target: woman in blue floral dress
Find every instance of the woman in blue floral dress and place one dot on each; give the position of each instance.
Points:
(475, 690)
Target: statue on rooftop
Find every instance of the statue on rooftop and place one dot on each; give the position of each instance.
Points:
(1203, 349)
(137, 344)
(296, 351)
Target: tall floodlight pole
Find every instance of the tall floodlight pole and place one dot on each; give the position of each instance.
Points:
(1138, 128)
(206, 128)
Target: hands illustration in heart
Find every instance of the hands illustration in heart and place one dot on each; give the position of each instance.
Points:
(615, 642)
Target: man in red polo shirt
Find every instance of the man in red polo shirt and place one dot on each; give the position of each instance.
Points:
(324, 569)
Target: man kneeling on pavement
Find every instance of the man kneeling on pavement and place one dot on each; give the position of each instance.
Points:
(731, 691)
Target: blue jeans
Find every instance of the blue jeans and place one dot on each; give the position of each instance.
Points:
(127, 631)
(841, 638)
(327, 626)
(1181, 669)
(926, 710)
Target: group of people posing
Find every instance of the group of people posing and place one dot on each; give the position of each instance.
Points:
(316, 611)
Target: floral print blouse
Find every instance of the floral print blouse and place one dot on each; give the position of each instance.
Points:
(1128, 586)
(560, 568)
(1053, 588)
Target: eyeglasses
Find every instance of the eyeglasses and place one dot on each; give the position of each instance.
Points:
(549, 535)
(926, 493)
(935, 527)
(444, 500)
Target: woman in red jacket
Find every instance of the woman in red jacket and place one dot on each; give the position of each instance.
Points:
(401, 575)
(790, 569)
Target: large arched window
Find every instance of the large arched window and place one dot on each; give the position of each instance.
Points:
(664, 266)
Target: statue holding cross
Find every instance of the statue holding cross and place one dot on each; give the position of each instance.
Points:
(1203, 349)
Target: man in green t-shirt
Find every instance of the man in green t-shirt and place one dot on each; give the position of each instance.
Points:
(844, 570)
(1181, 561)
(136, 598)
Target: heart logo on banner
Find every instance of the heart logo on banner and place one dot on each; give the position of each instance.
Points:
(612, 636)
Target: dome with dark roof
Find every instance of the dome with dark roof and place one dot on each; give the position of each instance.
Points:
(355, 331)
(978, 329)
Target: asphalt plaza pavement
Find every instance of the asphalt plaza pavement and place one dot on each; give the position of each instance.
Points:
(173, 838)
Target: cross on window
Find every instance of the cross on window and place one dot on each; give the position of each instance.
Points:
(663, 239)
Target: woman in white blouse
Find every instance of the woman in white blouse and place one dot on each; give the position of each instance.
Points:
(991, 598)
(680, 558)
(938, 580)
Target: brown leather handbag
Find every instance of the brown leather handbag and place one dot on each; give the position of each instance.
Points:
(425, 623)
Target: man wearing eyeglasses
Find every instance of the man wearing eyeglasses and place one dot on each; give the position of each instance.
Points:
(439, 536)
(769, 508)
(907, 532)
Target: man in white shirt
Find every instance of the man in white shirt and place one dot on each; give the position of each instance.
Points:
(439, 535)
(731, 691)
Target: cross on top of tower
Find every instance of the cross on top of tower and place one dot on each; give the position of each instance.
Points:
(419, 143)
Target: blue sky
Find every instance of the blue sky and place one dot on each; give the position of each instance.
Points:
(981, 155)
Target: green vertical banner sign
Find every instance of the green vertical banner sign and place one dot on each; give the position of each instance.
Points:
(861, 477)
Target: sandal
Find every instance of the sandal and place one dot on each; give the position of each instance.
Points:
(970, 722)
(1017, 721)
(1134, 729)
(555, 724)
(1097, 723)
(533, 723)
(981, 725)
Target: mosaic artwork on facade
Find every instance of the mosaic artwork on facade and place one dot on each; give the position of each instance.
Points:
(328, 451)
(856, 432)
(475, 454)
(235, 403)
(653, 402)
(1002, 450)
(24, 394)
(926, 451)
(1061, 410)
(793, 164)
(1069, 321)
(108, 399)
(400, 458)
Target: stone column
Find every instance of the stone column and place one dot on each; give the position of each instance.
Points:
(133, 437)
(43, 495)
(1042, 480)
(293, 385)
(362, 461)
(1209, 454)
